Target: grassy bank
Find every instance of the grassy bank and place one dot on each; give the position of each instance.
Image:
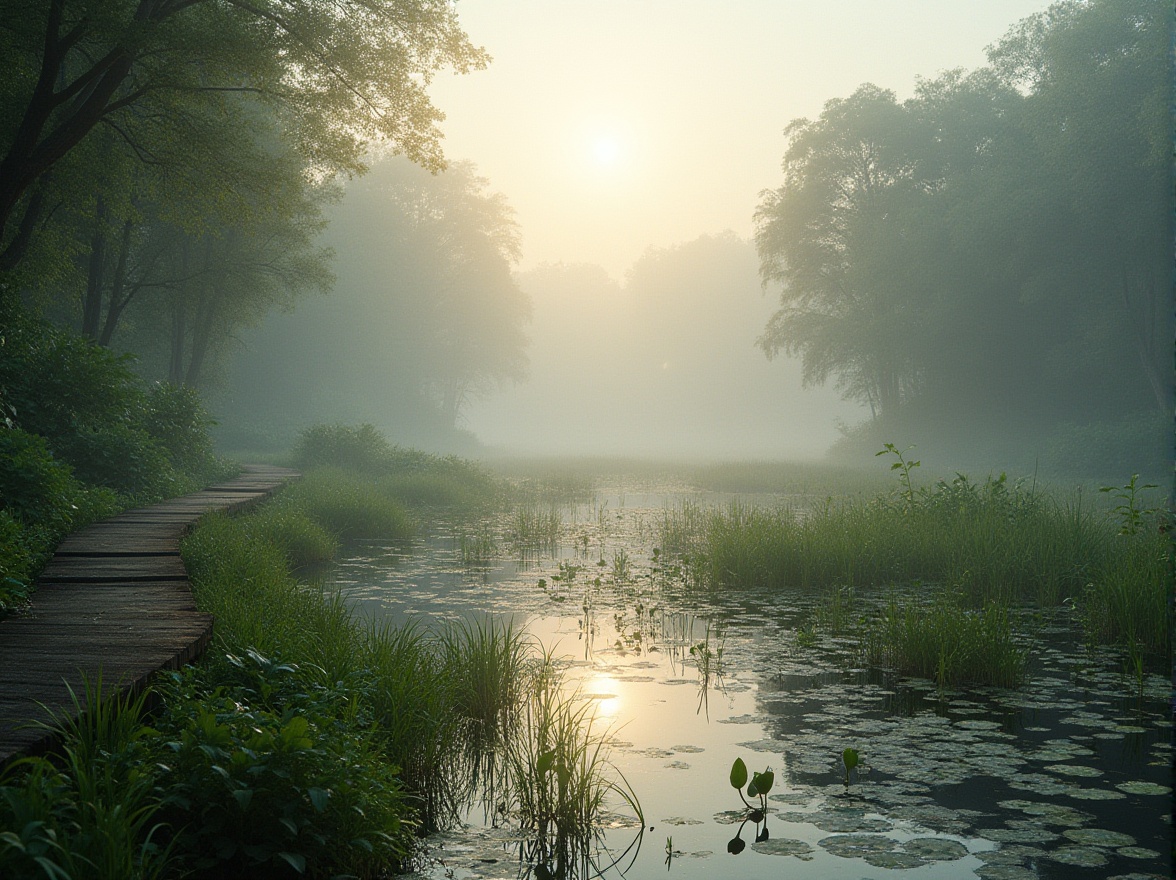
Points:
(309, 742)
(994, 544)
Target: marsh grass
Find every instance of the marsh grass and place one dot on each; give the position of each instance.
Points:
(1129, 603)
(561, 779)
(488, 664)
(348, 506)
(947, 642)
(536, 527)
(89, 812)
(476, 549)
(998, 544)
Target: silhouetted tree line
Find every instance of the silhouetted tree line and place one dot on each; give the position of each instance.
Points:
(996, 250)
(165, 164)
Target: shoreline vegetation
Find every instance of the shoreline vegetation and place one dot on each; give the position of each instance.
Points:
(312, 742)
(308, 741)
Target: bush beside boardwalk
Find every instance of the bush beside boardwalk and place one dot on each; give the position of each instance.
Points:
(307, 742)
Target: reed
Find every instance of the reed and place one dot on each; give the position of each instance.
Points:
(947, 642)
(561, 779)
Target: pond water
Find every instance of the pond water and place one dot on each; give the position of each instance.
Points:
(1068, 776)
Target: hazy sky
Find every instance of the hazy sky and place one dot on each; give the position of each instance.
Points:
(614, 125)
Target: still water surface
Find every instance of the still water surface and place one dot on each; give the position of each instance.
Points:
(1066, 777)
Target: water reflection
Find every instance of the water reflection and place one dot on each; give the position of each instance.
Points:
(1066, 777)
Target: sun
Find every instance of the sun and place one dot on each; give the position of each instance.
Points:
(606, 150)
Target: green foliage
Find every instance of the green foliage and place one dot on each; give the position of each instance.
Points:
(92, 813)
(358, 448)
(175, 418)
(272, 773)
(945, 641)
(36, 487)
(95, 415)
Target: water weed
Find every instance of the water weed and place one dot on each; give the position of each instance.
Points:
(561, 779)
(947, 642)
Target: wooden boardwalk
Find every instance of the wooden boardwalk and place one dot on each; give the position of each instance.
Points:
(115, 601)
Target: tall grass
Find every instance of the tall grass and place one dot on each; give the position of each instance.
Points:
(995, 543)
(347, 505)
(947, 642)
(562, 780)
(89, 815)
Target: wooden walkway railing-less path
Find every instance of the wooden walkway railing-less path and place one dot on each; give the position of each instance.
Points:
(114, 601)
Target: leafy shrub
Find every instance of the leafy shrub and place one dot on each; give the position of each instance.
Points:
(361, 448)
(119, 456)
(35, 486)
(95, 414)
(175, 418)
(271, 774)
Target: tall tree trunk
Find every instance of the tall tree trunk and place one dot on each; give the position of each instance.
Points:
(175, 373)
(118, 284)
(95, 275)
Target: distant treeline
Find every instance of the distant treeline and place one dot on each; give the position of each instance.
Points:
(992, 257)
(164, 166)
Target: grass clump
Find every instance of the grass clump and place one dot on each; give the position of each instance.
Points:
(347, 506)
(412, 477)
(561, 779)
(945, 641)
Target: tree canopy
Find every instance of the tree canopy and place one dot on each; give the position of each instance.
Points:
(340, 74)
(995, 249)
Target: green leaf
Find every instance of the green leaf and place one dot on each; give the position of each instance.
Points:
(544, 762)
(243, 797)
(738, 774)
(318, 798)
(850, 758)
(294, 860)
(764, 781)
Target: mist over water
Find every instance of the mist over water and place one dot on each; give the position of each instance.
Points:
(662, 364)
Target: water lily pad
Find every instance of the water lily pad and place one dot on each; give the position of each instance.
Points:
(1052, 814)
(895, 860)
(730, 817)
(977, 725)
(676, 765)
(1018, 835)
(688, 750)
(1099, 837)
(1141, 787)
(1095, 794)
(936, 849)
(840, 821)
(679, 820)
(1005, 872)
(1137, 852)
(784, 846)
(1074, 770)
(1079, 856)
(856, 846)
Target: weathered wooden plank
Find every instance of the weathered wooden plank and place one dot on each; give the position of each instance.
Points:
(67, 569)
(114, 601)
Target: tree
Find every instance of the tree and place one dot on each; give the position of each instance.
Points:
(425, 314)
(341, 74)
(835, 237)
